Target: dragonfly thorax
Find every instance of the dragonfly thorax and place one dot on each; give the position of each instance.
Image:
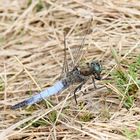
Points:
(81, 73)
(91, 68)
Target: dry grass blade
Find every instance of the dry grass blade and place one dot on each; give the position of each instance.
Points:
(31, 56)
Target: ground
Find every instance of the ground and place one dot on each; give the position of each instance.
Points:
(32, 58)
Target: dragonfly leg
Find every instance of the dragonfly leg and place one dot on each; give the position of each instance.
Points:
(95, 84)
(76, 89)
(93, 80)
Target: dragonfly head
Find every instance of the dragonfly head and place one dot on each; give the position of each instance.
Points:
(96, 69)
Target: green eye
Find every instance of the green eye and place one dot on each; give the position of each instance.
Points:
(97, 68)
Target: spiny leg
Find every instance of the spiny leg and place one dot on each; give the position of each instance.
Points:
(76, 89)
(93, 80)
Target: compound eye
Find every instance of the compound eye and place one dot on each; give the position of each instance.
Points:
(97, 68)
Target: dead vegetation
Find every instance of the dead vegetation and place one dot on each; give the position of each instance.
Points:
(31, 56)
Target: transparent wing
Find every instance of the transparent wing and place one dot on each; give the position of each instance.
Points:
(65, 68)
(80, 51)
(76, 53)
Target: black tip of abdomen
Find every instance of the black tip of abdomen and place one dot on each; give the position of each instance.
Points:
(19, 105)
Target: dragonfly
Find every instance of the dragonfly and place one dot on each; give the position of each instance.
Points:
(78, 75)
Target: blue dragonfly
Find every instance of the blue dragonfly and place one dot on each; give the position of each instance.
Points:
(76, 75)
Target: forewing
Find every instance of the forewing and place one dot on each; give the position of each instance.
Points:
(79, 51)
(65, 68)
(75, 54)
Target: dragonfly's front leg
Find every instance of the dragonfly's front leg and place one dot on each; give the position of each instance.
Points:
(78, 88)
(93, 80)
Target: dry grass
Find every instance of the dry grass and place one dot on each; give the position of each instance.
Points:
(31, 44)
